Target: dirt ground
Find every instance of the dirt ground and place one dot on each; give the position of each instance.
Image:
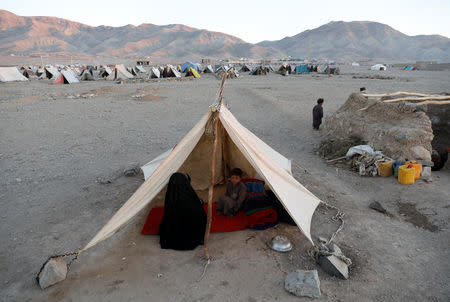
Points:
(57, 141)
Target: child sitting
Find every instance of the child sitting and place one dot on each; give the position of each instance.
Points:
(231, 203)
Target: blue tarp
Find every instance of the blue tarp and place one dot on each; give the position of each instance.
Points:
(302, 68)
(185, 66)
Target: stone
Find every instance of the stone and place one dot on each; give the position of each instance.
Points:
(132, 170)
(334, 265)
(54, 271)
(420, 153)
(303, 283)
(377, 207)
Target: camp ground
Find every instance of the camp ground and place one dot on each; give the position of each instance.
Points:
(101, 168)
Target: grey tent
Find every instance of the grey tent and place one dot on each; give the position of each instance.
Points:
(66, 77)
(154, 73)
(86, 75)
(208, 69)
(51, 72)
(141, 69)
(11, 74)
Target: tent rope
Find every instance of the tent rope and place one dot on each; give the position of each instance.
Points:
(204, 270)
(323, 248)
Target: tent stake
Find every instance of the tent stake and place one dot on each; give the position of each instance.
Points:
(213, 167)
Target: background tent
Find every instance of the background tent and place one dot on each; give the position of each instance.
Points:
(66, 77)
(192, 72)
(154, 73)
(187, 65)
(302, 68)
(378, 67)
(141, 69)
(86, 75)
(10, 74)
(51, 72)
(119, 73)
(208, 69)
(237, 147)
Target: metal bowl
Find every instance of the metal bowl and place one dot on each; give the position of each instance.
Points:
(280, 243)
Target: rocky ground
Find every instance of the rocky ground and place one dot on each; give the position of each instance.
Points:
(61, 143)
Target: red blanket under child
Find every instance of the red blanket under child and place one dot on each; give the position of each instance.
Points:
(218, 224)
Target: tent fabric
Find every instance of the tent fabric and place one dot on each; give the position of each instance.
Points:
(66, 77)
(86, 75)
(185, 66)
(51, 72)
(119, 73)
(141, 69)
(247, 151)
(153, 185)
(192, 72)
(154, 73)
(208, 69)
(11, 74)
(303, 68)
(378, 67)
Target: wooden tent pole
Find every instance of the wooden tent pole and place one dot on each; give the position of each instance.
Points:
(213, 166)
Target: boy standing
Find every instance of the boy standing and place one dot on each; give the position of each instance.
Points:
(231, 202)
(317, 114)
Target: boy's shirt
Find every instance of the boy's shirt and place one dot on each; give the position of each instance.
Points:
(237, 192)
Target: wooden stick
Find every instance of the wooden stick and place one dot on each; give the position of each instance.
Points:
(213, 167)
(395, 94)
(434, 103)
(211, 185)
(336, 159)
(418, 99)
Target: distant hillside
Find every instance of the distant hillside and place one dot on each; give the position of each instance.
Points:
(27, 35)
(363, 40)
(336, 40)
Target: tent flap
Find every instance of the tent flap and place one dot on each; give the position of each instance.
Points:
(153, 185)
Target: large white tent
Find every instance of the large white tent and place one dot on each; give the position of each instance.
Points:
(237, 147)
(11, 74)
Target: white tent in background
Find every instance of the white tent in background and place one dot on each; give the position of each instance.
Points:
(241, 148)
(208, 69)
(51, 72)
(154, 73)
(105, 72)
(355, 64)
(378, 67)
(120, 73)
(86, 75)
(11, 74)
(66, 77)
(141, 69)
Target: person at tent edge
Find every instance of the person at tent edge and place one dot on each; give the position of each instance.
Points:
(231, 202)
(317, 114)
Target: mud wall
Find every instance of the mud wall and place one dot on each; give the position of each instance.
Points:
(399, 130)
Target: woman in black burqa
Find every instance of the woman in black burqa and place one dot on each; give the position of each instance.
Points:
(184, 221)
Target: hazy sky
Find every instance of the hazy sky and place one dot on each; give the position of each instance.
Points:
(250, 20)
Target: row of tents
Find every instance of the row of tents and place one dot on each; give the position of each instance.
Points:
(73, 74)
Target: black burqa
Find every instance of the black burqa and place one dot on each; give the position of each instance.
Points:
(184, 221)
(317, 116)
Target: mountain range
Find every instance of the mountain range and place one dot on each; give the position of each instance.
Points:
(351, 41)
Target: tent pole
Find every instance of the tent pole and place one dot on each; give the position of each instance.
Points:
(211, 186)
(213, 167)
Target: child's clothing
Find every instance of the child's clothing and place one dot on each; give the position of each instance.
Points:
(231, 202)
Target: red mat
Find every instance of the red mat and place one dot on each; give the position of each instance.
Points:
(218, 224)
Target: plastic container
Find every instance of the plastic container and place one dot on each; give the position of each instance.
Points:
(417, 167)
(406, 176)
(385, 168)
(395, 166)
